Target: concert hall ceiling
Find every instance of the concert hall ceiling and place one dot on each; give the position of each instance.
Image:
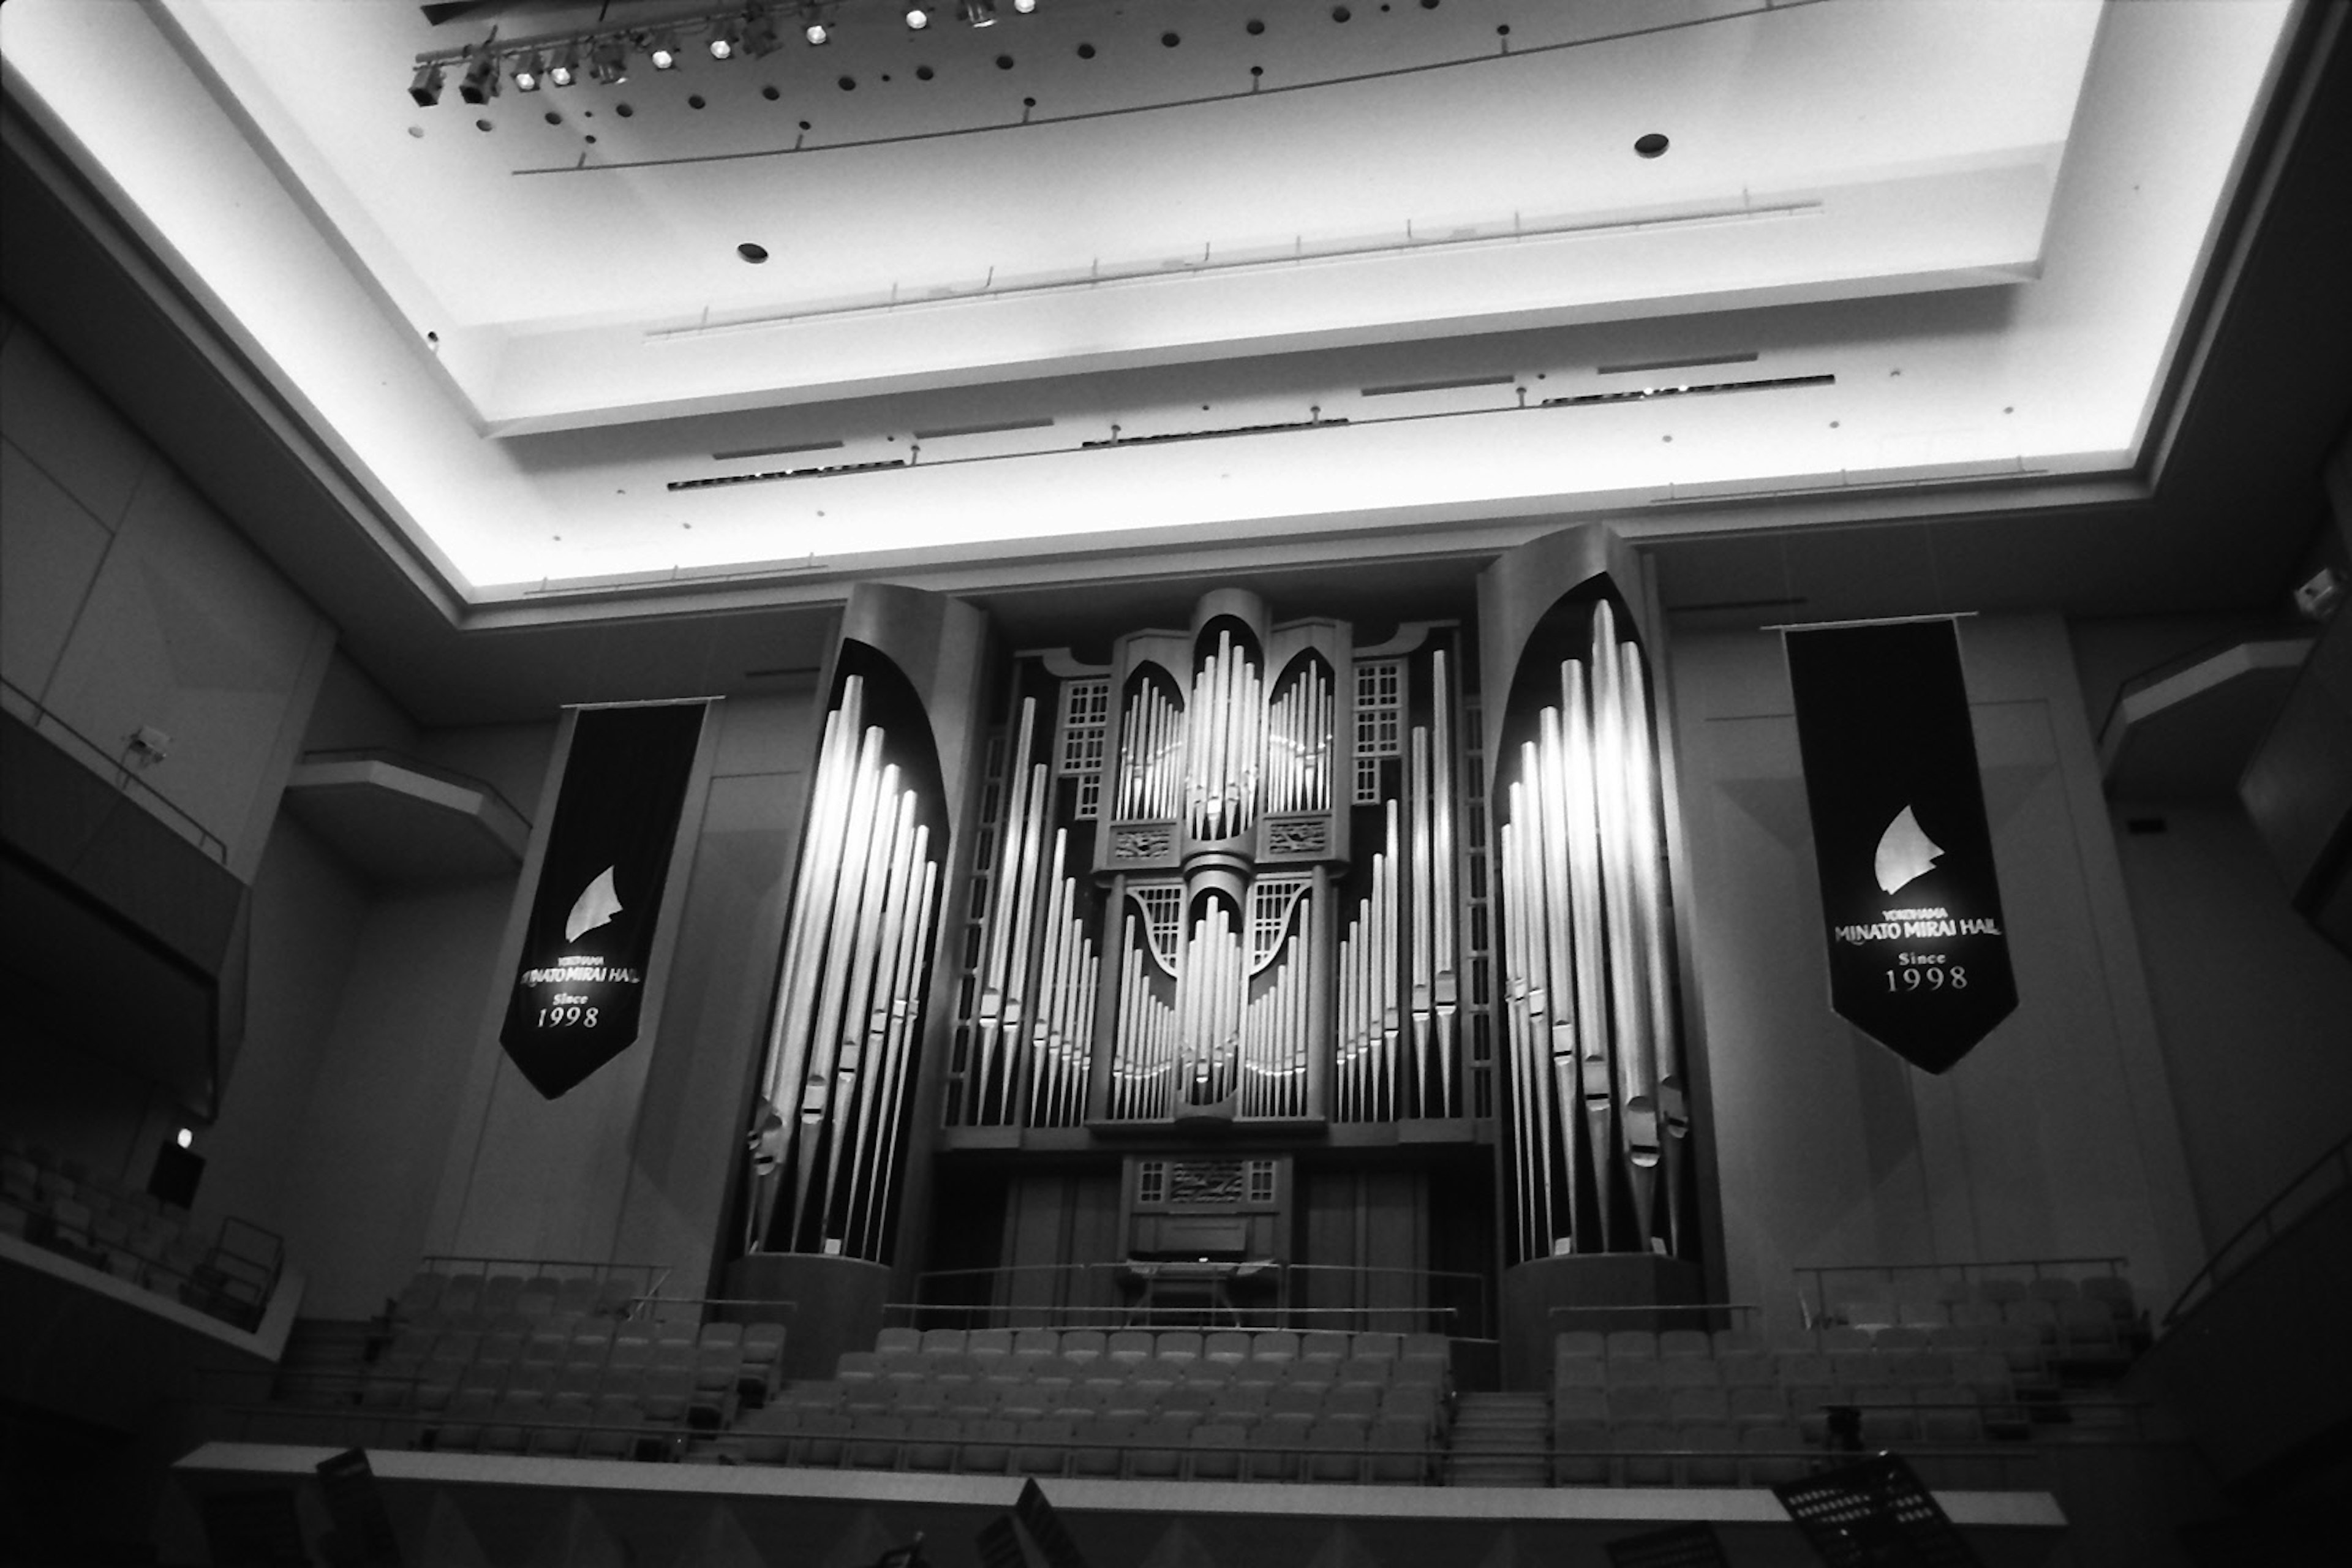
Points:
(1918, 308)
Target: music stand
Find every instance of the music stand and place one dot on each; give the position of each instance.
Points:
(1873, 1513)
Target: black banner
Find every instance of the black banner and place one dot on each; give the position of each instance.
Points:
(1918, 954)
(582, 980)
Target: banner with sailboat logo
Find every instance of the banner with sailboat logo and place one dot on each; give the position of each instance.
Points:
(1917, 948)
(580, 984)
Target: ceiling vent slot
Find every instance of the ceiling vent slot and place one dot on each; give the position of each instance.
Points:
(1451, 384)
(1318, 423)
(996, 428)
(1638, 366)
(775, 451)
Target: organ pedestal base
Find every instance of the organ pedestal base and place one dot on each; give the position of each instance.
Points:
(838, 1304)
(1534, 1288)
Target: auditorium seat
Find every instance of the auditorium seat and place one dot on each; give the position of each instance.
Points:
(1083, 1344)
(1582, 1373)
(1274, 1345)
(1684, 1344)
(943, 1341)
(1754, 1405)
(1776, 1455)
(1690, 1373)
(897, 1342)
(990, 1342)
(1715, 1459)
(986, 1447)
(1644, 1457)
(1632, 1344)
(1323, 1344)
(874, 1442)
(931, 1443)
(1398, 1453)
(1334, 1451)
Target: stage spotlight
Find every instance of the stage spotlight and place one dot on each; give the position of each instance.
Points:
(564, 69)
(608, 62)
(917, 18)
(725, 39)
(978, 12)
(481, 83)
(663, 51)
(529, 72)
(426, 89)
(760, 38)
(1024, 6)
(816, 32)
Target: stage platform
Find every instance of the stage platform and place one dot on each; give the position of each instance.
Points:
(464, 1510)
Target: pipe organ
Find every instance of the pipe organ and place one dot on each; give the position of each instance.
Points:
(1330, 899)
(1228, 865)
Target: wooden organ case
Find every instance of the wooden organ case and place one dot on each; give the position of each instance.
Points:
(1274, 975)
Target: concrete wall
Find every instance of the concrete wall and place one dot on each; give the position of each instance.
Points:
(2252, 1007)
(129, 602)
(2056, 1136)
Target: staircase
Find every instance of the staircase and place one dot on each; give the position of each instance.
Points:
(1500, 1440)
(323, 1362)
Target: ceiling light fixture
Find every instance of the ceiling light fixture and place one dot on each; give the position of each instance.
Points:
(564, 69)
(608, 62)
(725, 39)
(760, 37)
(426, 89)
(528, 72)
(663, 51)
(1024, 6)
(815, 30)
(978, 12)
(917, 18)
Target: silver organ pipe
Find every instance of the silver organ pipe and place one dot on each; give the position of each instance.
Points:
(1443, 907)
(1224, 739)
(1299, 745)
(1151, 757)
(1587, 962)
(849, 996)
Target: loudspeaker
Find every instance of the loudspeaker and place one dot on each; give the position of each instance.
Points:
(177, 1171)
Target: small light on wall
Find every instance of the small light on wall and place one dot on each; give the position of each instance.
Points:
(187, 1138)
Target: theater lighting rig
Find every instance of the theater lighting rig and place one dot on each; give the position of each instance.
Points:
(607, 54)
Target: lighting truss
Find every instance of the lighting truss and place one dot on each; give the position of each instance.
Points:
(736, 32)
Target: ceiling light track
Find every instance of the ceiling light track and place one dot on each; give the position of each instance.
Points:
(1242, 259)
(1118, 440)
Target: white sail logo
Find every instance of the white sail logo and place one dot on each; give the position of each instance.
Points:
(1905, 853)
(599, 902)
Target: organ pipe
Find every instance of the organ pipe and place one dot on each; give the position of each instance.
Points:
(1587, 962)
(848, 997)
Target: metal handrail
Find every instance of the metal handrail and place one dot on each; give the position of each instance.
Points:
(2220, 1265)
(235, 1310)
(1818, 1272)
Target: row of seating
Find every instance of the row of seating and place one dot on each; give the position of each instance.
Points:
(1163, 1447)
(1715, 1454)
(1238, 1403)
(1139, 1344)
(1954, 1414)
(1988, 1370)
(433, 1300)
(1741, 1357)
(1910, 1289)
